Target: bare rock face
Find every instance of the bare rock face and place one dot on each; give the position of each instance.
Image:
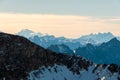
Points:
(19, 56)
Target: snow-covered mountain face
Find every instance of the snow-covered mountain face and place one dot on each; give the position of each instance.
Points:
(57, 72)
(96, 39)
(21, 59)
(28, 33)
(118, 38)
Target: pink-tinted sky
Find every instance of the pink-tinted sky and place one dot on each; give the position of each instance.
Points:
(59, 25)
(69, 18)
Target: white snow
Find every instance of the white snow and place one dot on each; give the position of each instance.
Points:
(59, 72)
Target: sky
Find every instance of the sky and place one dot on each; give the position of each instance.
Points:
(69, 18)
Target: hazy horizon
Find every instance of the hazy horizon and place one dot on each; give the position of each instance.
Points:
(62, 35)
(60, 18)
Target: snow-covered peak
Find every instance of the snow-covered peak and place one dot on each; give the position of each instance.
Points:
(97, 38)
(61, 72)
(28, 33)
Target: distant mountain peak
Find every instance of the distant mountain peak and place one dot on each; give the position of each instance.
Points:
(96, 38)
(27, 30)
(114, 40)
(108, 33)
(100, 33)
(28, 33)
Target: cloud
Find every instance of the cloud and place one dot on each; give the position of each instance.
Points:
(59, 25)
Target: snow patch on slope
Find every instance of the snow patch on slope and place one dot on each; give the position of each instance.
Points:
(60, 72)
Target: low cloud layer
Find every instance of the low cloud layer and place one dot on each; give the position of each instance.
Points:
(59, 25)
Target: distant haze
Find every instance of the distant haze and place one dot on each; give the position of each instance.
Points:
(59, 25)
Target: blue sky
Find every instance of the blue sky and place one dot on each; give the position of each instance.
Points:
(69, 7)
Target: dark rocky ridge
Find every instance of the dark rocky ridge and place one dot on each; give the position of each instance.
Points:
(19, 56)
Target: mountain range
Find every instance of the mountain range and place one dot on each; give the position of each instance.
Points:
(99, 48)
(96, 39)
(21, 59)
(46, 40)
(106, 53)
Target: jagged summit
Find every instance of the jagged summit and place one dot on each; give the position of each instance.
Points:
(25, 31)
(97, 38)
(48, 40)
(28, 33)
(114, 40)
(99, 33)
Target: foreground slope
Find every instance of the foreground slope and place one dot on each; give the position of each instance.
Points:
(21, 59)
